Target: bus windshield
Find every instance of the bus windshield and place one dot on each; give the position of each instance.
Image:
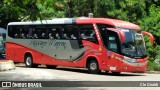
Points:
(1, 43)
(133, 45)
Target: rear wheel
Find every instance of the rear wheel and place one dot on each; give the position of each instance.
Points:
(51, 66)
(93, 67)
(29, 61)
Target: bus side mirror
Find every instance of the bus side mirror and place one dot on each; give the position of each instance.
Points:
(150, 36)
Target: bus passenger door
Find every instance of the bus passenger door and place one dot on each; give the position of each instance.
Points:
(113, 53)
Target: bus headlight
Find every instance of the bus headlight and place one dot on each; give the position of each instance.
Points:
(130, 60)
(134, 60)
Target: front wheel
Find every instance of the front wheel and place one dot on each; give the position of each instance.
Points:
(29, 61)
(93, 67)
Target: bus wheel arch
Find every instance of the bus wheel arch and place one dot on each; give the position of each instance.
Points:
(28, 60)
(92, 65)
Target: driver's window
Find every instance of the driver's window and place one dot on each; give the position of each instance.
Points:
(112, 45)
(112, 41)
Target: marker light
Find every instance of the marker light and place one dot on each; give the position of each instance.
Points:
(100, 48)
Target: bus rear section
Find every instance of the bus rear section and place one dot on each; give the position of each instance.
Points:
(93, 43)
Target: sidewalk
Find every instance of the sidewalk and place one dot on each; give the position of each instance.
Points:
(6, 65)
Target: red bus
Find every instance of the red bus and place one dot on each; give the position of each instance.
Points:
(93, 43)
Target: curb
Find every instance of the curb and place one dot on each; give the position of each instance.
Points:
(6, 65)
(153, 72)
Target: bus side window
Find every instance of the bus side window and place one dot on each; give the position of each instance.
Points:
(70, 32)
(87, 33)
(74, 32)
(55, 32)
(112, 45)
(66, 32)
(22, 35)
(51, 33)
(18, 31)
(58, 33)
(30, 33)
(40, 32)
(35, 34)
(23, 32)
(10, 31)
(14, 32)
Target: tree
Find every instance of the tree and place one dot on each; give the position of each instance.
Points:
(7, 14)
(151, 23)
(130, 10)
(16, 10)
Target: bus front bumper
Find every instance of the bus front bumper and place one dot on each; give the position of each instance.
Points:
(130, 67)
(134, 67)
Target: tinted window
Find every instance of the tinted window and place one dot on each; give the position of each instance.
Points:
(113, 42)
(55, 31)
(40, 32)
(14, 32)
(26, 32)
(65, 32)
(86, 32)
(70, 32)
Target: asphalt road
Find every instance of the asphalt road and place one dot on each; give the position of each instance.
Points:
(21, 73)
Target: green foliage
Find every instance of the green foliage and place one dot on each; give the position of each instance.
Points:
(50, 9)
(152, 50)
(23, 10)
(152, 66)
(151, 23)
(15, 10)
(130, 10)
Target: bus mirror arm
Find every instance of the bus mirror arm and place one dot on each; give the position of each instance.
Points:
(150, 36)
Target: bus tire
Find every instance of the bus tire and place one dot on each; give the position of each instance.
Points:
(93, 67)
(51, 66)
(29, 61)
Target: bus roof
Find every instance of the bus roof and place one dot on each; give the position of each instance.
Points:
(114, 22)
(84, 20)
(53, 21)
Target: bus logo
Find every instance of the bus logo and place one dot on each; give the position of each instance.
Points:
(6, 84)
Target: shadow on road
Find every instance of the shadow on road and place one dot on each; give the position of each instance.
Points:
(80, 70)
(101, 73)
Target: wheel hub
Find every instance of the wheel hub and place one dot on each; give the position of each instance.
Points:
(28, 61)
(93, 66)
